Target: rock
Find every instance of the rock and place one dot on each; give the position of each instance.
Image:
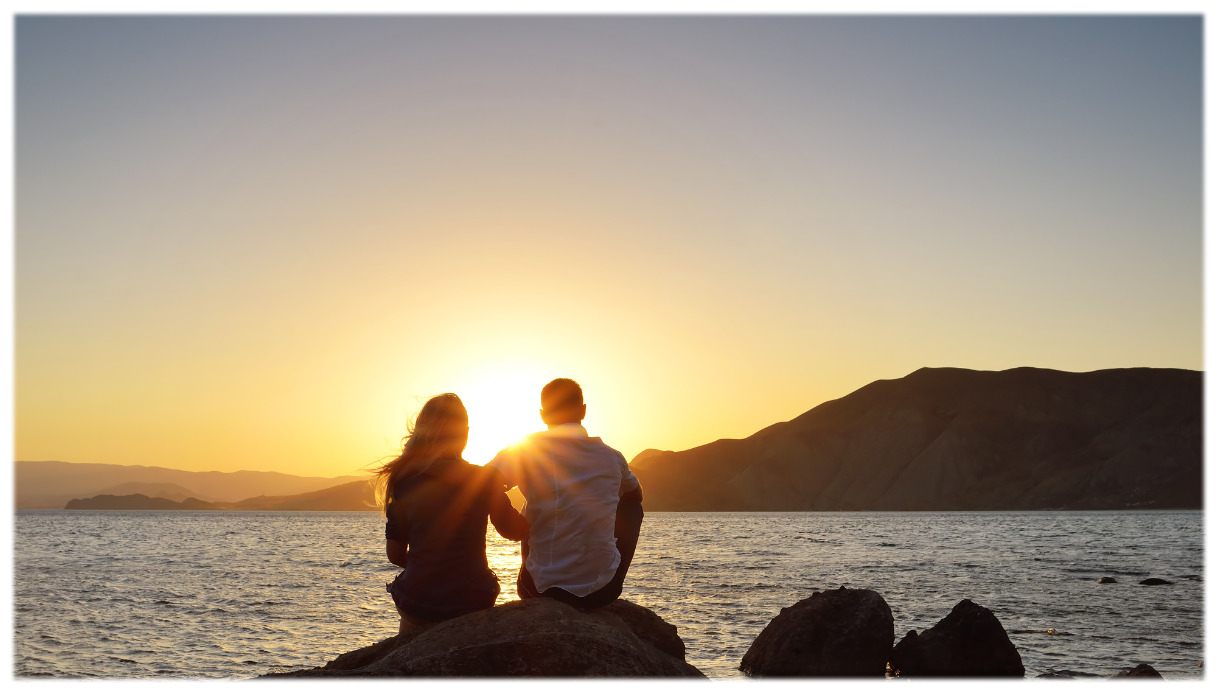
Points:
(1141, 671)
(1106, 580)
(968, 642)
(533, 637)
(1156, 581)
(843, 632)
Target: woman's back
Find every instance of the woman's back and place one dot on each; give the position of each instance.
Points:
(441, 515)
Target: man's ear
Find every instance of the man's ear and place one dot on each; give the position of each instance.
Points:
(583, 411)
(544, 419)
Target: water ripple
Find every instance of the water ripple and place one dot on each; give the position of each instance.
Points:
(265, 592)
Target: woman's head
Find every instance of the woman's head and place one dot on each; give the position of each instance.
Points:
(439, 431)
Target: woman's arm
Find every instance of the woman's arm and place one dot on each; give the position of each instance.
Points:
(396, 552)
(396, 534)
(507, 521)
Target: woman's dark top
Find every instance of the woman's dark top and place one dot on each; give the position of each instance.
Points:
(440, 514)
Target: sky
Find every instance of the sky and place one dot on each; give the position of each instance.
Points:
(262, 242)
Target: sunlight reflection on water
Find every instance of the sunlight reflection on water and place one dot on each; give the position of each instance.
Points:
(204, 595)
(503, 557)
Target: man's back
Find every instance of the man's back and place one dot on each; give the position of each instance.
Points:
(571, 484)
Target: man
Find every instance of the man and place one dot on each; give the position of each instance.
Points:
(583, 504)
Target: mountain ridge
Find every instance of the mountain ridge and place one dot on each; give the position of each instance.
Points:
(52, 483)
(937, 439)
(958, 439)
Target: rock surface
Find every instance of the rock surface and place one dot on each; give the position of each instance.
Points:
(534, 637)
(1106, 580)
(843, 632)
(957, 439)
(1141, 671)
(968, 642)
(1156, 581)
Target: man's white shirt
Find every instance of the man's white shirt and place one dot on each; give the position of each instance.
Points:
(571, 484)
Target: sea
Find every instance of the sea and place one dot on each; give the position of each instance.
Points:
(233, 595)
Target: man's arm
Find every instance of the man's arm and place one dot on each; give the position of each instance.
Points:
(628, 521)
(630, 488)
(629, 516)
(509, 523)
(629, 505)
(635, 494)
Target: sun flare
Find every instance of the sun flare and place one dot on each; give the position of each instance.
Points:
(502, 409)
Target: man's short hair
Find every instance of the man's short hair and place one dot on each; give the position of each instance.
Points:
(561, 394)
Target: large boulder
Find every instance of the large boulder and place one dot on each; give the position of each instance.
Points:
(533, 637)
(843, 632)
(968, 642)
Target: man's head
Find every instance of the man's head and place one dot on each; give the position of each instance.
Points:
(562, 401)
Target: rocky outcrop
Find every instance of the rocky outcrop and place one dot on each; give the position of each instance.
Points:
(533, 637)
(957, 439)
(843, 632)
(968, 642)
(1107, 580)
(1156, 581)
(1141, 671)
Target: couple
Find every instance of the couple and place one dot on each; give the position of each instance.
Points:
(578, 533)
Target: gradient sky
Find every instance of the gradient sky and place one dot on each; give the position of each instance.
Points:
(260, 242)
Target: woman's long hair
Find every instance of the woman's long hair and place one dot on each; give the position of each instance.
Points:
(440, 431)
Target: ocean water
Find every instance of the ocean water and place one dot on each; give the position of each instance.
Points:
(205, 595)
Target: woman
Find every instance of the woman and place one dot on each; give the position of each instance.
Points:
(436, 506)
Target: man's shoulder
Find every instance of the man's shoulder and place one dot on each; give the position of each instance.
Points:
(527, 446)
(609, 448)
(599, 449)
(551, 443)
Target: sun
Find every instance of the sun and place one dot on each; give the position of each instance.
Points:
(502, 409)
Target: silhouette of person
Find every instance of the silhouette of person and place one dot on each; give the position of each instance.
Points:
(583, 504)
(436, 507)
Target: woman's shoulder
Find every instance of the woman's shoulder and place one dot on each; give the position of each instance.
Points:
(483, 475)
(431, 471)
(455, 471)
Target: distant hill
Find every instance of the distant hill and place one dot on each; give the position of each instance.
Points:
(956, 439)
(136, 501)
(356, 495)
(52, 484)
(171, 492)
